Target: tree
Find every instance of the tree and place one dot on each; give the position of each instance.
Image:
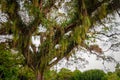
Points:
(93, 75)
(23, 17)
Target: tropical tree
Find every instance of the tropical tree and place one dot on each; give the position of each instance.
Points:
(64, 25)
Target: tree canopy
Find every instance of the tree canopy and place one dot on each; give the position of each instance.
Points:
(66, 23)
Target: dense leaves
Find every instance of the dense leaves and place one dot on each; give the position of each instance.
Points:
(8, 64)
(12, 65)
(94, 74)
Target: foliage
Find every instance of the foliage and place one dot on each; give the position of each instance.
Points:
(9, 65)
(113, 76)
(25, 73)
(10, 72)
(12, 65)
(64, 74)
(117, 70)
(23, 17)
(76, 75)
(93, 75)
(50, 75)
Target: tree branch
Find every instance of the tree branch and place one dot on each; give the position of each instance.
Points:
(59, 56)
(94, 7)
(49, 6)
(107, 35)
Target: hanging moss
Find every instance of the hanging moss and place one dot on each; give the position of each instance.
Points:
(3, 5)
(77, 36)
(11, 8)
(86, 23)
(102, 11)
(64, 44)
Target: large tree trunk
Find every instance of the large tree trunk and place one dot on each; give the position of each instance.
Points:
(39, 75)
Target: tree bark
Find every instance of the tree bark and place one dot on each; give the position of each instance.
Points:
(39, 75)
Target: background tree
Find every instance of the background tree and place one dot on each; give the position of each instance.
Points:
(50, 75)
(113, 76)
(23, 18)
(76, 75)
(93, 75)
(64, 74)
